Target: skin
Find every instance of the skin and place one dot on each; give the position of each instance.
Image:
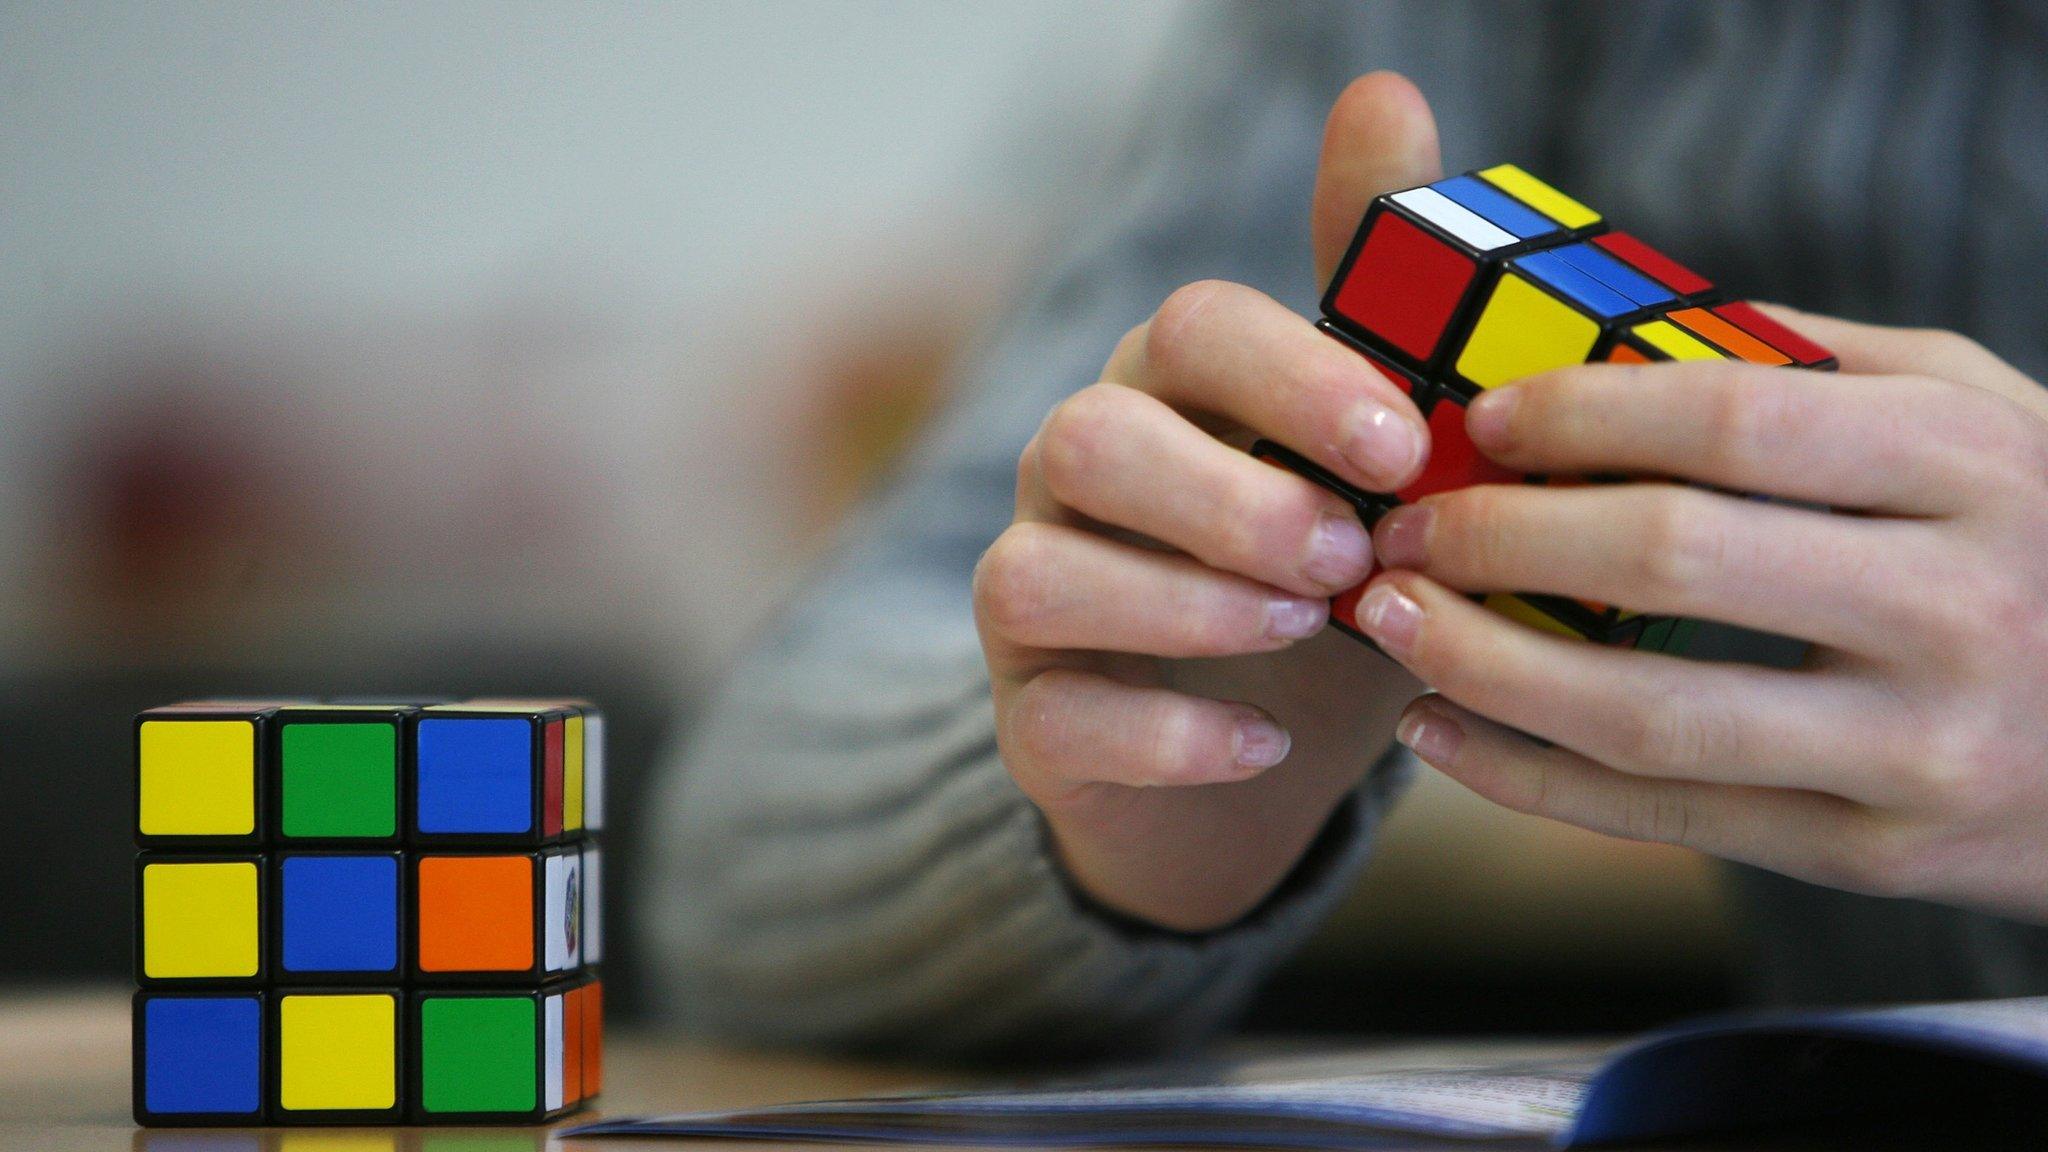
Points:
(1168, 696)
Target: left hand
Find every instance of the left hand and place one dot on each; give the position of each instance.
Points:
(1907, 757)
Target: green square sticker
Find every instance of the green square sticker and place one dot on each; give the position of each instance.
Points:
(340, 779)
(477, 1054)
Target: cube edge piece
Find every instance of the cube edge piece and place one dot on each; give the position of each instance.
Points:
(274, 1077)
(397, 715)
(144, 860)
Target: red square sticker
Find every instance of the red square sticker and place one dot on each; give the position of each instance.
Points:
(1454, 461)
(1403, 287)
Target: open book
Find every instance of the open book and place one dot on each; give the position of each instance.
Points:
(1710, 1076)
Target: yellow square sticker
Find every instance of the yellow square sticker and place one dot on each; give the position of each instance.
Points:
(338, 1053)
(572, 773)
(199, 920)
(198, 778)
(1524, 330)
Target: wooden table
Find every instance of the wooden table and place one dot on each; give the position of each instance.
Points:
(64, 1088)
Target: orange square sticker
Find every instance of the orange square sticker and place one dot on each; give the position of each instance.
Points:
(593, 1039)
(476, 913)
(572, 1045)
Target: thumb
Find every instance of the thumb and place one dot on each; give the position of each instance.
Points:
(1380, 138)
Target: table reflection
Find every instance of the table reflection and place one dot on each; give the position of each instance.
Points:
(345, 1140)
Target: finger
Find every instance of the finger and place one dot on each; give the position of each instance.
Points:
(1066, 729)
(1644, 713)
(1233, 352)
(1881, 350)
(1048, 586)
(1795, 832)
(1853, 583)
(1123, 458)
(1897, 444)
(1380, 137)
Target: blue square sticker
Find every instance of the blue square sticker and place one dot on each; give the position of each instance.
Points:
(475, 775)
(340, 913)
(202, 1054)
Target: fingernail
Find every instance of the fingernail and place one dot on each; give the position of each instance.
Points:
(1293, 618)
(1261, 743)
(1486, 418)
(1401, 537)
(1432, 735)
(1390, 618)
(1339, 550)
(1382, 445)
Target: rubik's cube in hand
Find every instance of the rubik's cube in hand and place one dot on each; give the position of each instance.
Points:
(1480, 279)
(367, 913)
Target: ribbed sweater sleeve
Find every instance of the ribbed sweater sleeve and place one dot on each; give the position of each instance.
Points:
(850, 866)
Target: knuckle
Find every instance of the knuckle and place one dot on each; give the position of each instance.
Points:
(1984, 621)
(1943, 780)
(1471, 530)
(2005, 605)
(1010, 579)
(1028, 462)
(1944, 346)
(1883, 857)
(1549, 400)
(1075, 437)
(1539, 795)
(1661, 815)
(1954, 621)
(1678, 550)
(1247, 527)
(1171, 332)
(1967, 769)
(1128, 346)
(1742, 418)
(1671, 733)
(2017, 449)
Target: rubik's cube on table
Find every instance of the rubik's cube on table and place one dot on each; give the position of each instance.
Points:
(367, 913)
(1481, 279)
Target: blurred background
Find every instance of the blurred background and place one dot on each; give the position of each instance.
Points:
(534, 349)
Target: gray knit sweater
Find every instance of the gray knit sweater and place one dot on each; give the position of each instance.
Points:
(840, 858)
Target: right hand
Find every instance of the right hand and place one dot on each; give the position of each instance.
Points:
(1145, 545)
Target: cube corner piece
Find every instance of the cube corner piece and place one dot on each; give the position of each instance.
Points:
(197, 1058)
(200, 774)
(497, 1056)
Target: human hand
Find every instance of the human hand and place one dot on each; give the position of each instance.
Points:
(1908, 756)
(1145, 544)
